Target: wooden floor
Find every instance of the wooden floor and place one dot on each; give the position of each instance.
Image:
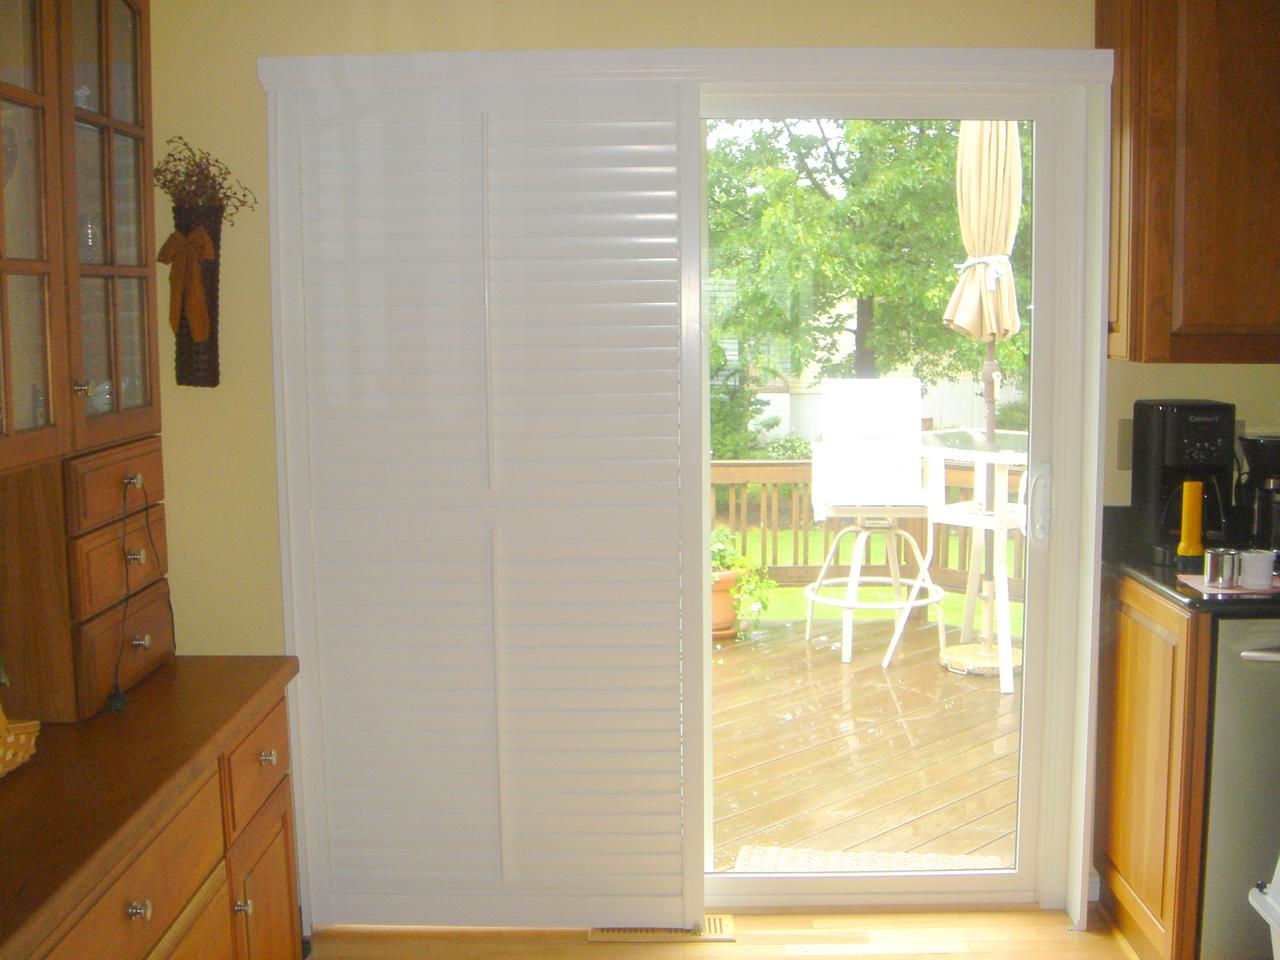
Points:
(814, 757)
(976, 935)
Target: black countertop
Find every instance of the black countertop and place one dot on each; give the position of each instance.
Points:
(1121, 554)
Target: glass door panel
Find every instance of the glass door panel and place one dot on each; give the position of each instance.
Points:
(28, 322)
(95, 345)
(126, 191)
(874, 729)
(18, 60)
(124, 61)
(23, 171)
(86, 69)
(91, 234)
(132, 328)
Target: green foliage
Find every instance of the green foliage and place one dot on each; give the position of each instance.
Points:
(751, 592)
(791, 447)
(736, 432)
(808, 217)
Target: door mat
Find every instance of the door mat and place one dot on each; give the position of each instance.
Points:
(716, 928)
(753, 859)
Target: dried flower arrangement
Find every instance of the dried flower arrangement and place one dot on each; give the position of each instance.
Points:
(194, 178)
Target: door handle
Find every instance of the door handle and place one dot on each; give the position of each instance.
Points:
(1040, 504)
(1262, 655)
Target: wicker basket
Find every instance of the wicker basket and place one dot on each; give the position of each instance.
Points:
(17, 743)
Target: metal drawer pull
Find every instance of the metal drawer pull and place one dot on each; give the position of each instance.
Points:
(133, 480)
(136, 556)
(142, 642)
(139, 911)
(243, 906)
(268, 756)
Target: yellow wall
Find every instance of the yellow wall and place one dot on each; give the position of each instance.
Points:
(220, 444)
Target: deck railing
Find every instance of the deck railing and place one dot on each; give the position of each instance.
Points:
(768, 505)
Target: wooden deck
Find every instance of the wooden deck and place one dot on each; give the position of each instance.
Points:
(814, 757)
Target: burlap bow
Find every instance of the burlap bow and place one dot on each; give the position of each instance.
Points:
(186, 280)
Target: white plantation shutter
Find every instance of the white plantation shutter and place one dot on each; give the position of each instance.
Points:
(482, 406)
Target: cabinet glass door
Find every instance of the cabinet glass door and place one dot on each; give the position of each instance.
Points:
(33, 422)
(113, 353)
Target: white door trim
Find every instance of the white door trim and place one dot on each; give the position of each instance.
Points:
(1079, 76)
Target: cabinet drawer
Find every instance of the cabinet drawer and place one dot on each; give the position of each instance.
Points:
(257, 765)
(96, 489)
(98, 564)
(135, 910)
(140, 641)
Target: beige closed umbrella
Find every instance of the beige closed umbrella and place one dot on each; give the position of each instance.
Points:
(984, 304)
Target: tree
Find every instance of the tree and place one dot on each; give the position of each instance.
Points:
(808, 216)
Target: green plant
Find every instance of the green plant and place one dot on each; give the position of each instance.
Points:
(791, 447)
(195, 178)
(751, 592)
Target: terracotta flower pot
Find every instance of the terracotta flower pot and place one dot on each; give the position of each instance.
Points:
(724, 613)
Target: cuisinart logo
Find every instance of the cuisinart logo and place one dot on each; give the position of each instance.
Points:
(1207, 418)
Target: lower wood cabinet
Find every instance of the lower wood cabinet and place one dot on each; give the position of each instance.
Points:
(263, 870)
(1152, 747)
(128, 836)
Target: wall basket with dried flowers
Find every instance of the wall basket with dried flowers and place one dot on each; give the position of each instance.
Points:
(204, 194)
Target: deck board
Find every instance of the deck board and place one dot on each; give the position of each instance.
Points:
(811, 754)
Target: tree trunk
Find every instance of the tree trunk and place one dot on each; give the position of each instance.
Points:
(864, 358)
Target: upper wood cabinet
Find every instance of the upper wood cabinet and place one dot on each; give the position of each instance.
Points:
(106, 153)
(1195, 179)
(78, 353)
(35, 410)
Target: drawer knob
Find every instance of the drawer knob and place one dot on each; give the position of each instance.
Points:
(139, 911)
(133, 480)
(243, 906)
(80, 387)
(142, 642)
(268, 756)
(136, 556)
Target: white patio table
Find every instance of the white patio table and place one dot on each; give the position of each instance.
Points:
(990, 510)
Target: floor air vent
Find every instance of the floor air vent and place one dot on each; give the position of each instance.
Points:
(716, 928)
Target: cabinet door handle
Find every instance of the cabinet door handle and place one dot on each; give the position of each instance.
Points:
(243, 906)
(268, 756)
(142, 642)
(136, 556)
(81, 387)
(139, 911)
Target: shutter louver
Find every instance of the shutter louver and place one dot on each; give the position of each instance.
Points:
(491, 302)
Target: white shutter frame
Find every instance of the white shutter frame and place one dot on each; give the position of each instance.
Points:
(480, 373)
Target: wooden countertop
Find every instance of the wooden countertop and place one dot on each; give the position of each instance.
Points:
(94, 790)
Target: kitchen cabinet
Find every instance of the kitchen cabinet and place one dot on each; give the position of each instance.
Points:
(1195, 179)
(118, 842)
(78, 352)
(1153, 742)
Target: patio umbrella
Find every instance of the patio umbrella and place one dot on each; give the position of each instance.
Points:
(984, 304)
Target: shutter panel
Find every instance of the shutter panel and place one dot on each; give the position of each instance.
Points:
(490, 287)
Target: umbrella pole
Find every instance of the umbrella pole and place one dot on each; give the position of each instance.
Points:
(989, 369)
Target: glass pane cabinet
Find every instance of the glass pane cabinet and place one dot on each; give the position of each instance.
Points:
(78, 360)
(111, 288)
(35, 413)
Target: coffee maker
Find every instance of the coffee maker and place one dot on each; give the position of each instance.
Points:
(1175, 441)
(1258, 492)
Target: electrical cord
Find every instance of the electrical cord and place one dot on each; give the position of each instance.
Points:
(116, 700)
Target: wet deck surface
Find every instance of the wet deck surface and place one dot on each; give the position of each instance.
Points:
(814, 758)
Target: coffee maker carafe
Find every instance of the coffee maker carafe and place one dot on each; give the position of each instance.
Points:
(1175, 441)
(1258, 492)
